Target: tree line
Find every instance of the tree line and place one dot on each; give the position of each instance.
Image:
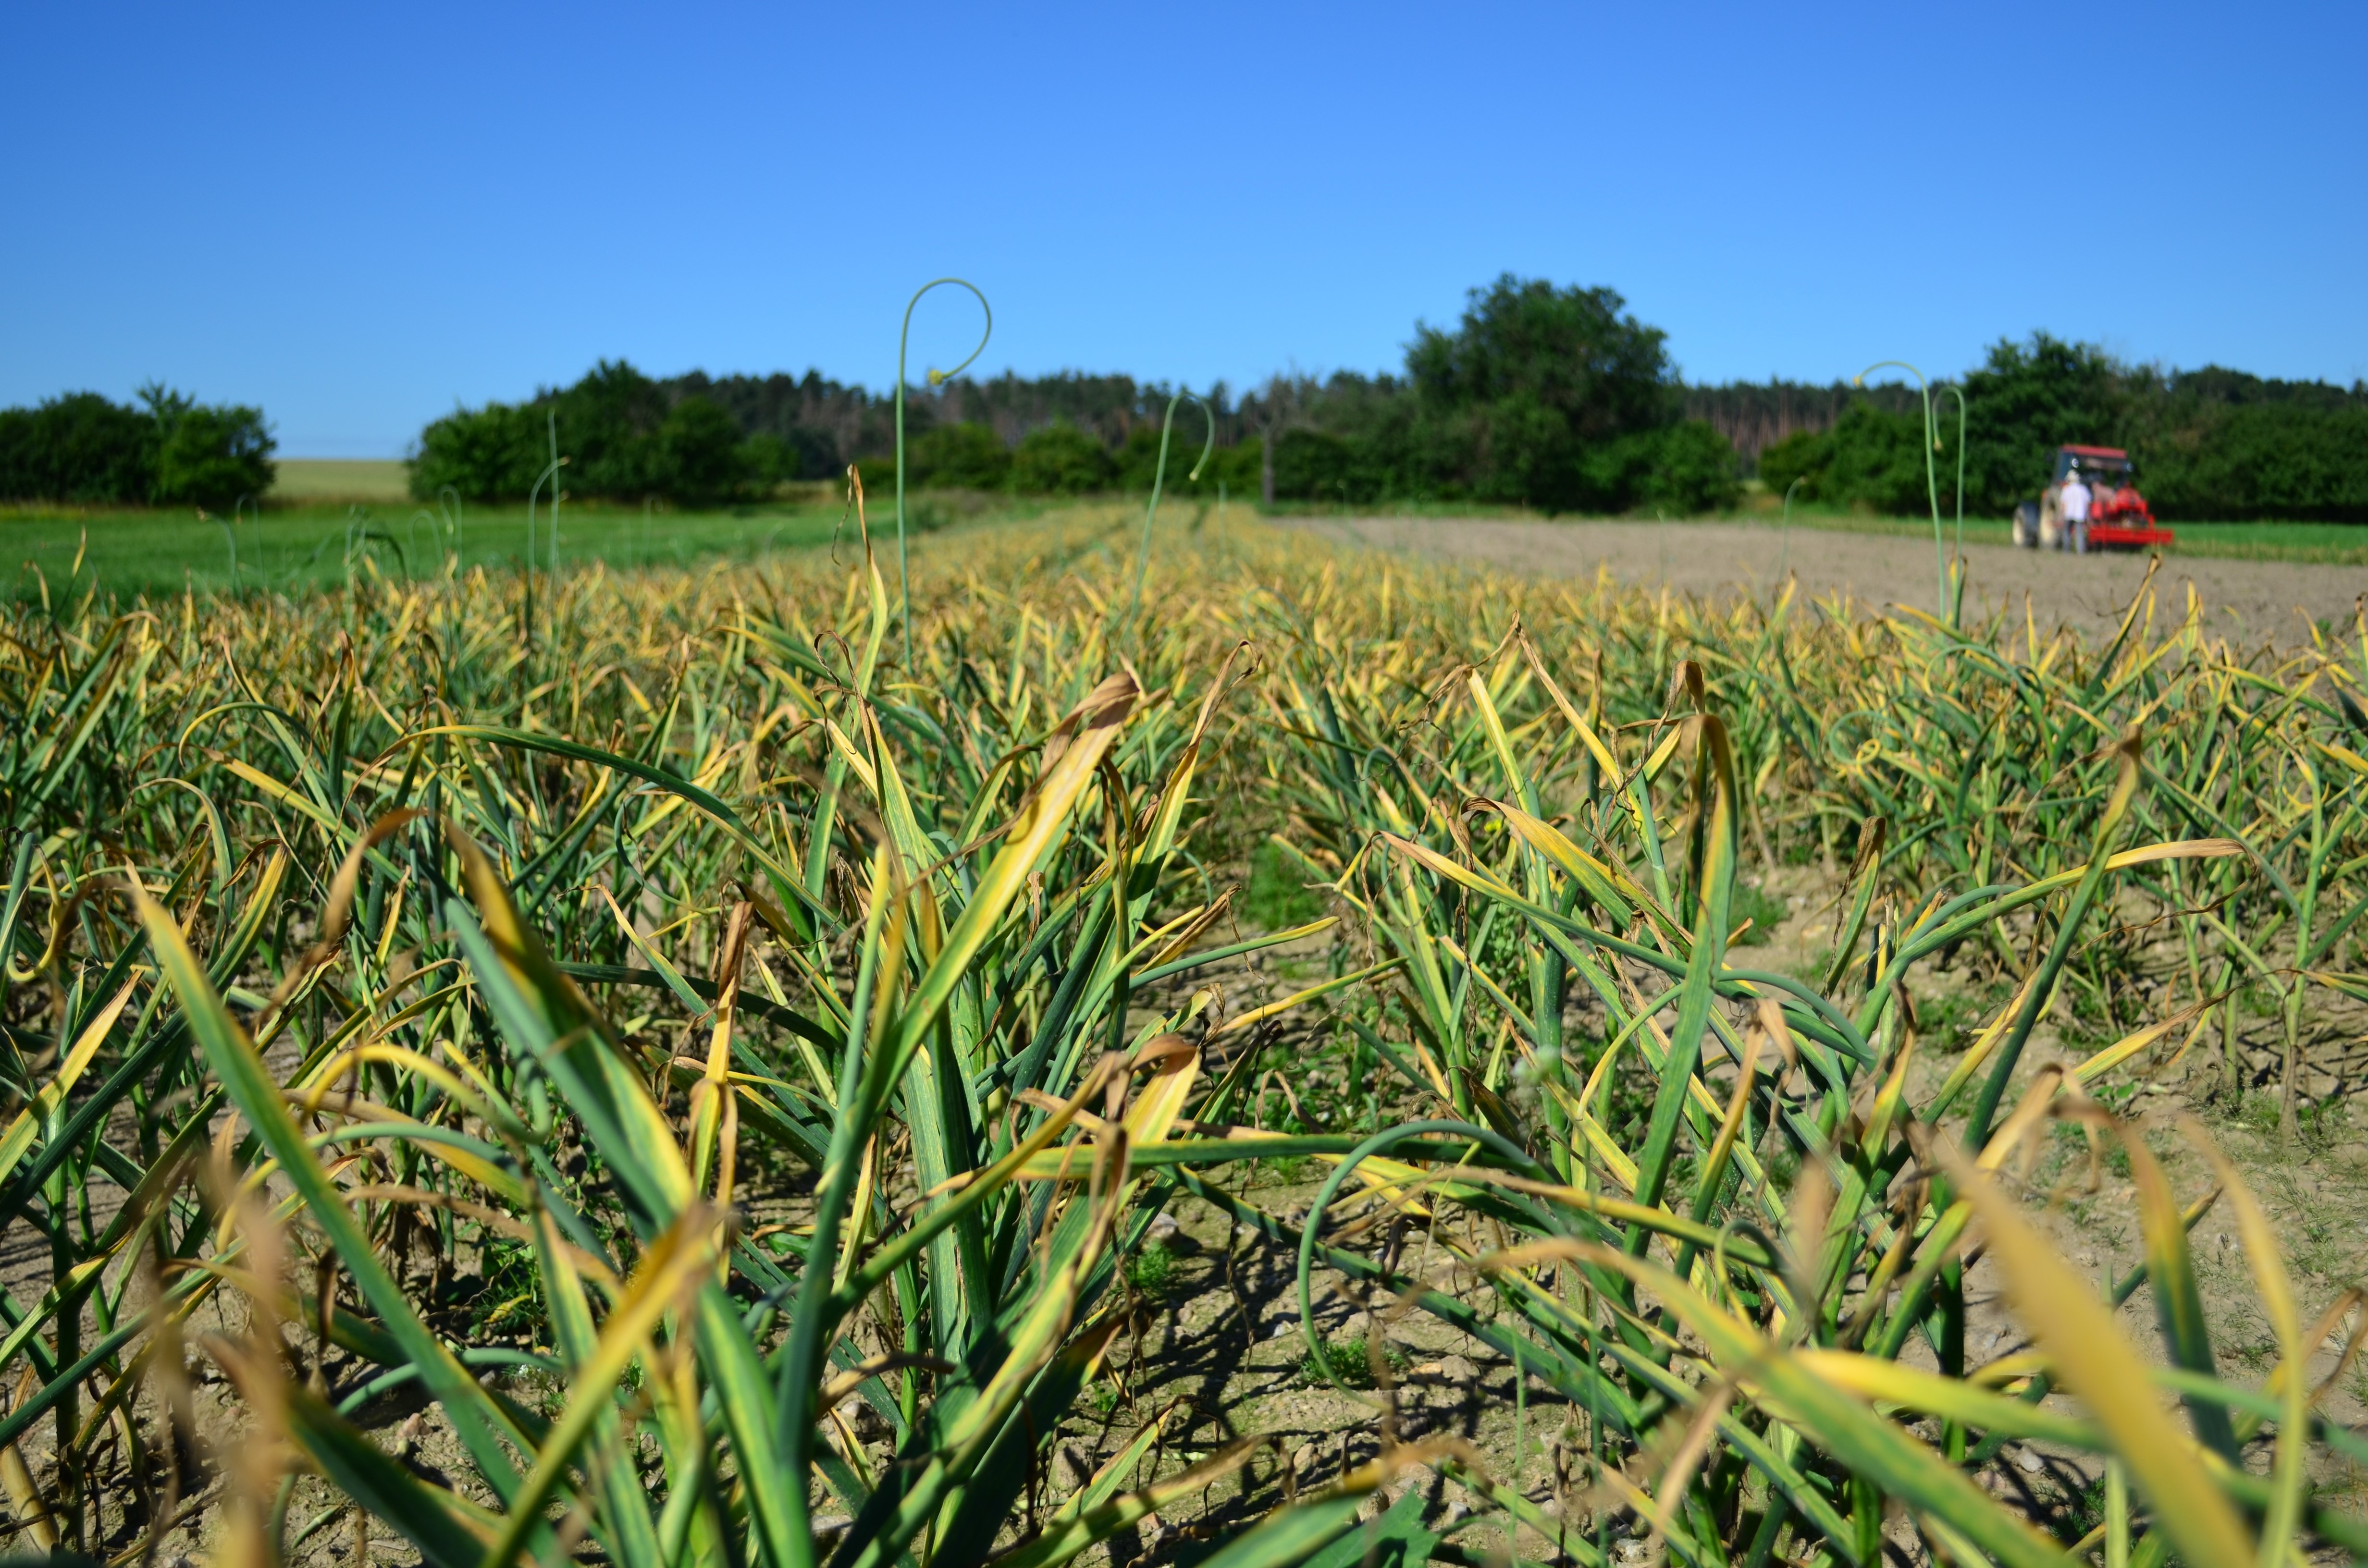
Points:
(1540, 395)
(2208, 444)
(698, 441)
(166, 450)
(1552, 397)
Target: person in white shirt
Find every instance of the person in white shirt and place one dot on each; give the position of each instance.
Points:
(2076, 513)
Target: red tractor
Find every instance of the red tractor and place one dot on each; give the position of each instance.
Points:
(2118, 517)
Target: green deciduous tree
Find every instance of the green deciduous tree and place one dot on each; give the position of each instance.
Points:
(696, 455)
(1355, 438)
(608, 429)
(624, 435)
(485, 454)
(2208, 444)
(1545, 395)
(79, 448)
(2262, 459)
(207, 454)
(82, 449)
(1536, 376)
(2026, 399)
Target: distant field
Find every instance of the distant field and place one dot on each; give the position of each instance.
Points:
(304, 546)
(306, 543)
(338, 478)
(2338, 544)
(1869, 568)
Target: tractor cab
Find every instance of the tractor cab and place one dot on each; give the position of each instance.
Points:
(2119, 518)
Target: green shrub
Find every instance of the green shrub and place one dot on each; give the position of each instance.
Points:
(964, 456)
(1152, 1269)
(1871, 459)
(771, 461)
(1372, 441)
(1061, 460)
(1138, 457)
(1694, 469)
(1877, 461)
(1237, 468)
(1796, 457)
(608, 426)
(485, 454)
(1312, 465)
(1753, 903)
(1542, 395)
(1686, 468)
(1523, 450)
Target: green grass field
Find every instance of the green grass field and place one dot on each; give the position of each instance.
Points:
(295, 547)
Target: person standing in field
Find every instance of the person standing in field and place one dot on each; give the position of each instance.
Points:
(2076, 513)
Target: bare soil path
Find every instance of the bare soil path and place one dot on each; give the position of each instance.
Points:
(2254, 598)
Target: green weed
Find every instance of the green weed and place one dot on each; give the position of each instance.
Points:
(1279, 897)
(1152, 1268)
(1351, 1361)
(1765, 912)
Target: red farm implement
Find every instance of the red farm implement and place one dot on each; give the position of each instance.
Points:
(2119, 518)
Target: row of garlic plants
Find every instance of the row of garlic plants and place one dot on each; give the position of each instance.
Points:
(1543, 842)
(768, 1021)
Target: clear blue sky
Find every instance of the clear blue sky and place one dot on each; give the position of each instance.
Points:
(354, 216)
